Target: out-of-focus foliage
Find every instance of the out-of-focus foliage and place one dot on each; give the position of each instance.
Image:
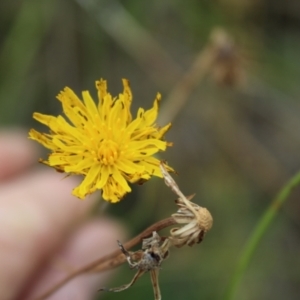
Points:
(235, 145)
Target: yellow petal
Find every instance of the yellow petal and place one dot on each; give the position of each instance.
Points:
(151, 114)
(120, 180)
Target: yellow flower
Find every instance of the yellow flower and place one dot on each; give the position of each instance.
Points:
(103, 142)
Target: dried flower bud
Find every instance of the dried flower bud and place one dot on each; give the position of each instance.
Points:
(198, 219)
(184, 215)
(196, 225)
(227, 68)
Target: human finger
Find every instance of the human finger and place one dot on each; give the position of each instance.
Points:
(16, 153)
(37, 212)
(93, 240)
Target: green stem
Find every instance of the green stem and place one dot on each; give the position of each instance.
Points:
(257, 235)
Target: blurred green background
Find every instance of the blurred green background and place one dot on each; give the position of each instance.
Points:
(236, 141)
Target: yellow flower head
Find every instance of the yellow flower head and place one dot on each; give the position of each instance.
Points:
(103, 142)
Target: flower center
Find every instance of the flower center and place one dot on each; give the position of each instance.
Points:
(108, 152)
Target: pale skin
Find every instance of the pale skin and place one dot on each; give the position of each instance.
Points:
(44, 231)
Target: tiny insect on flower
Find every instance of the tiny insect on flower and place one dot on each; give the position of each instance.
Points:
(103, 142)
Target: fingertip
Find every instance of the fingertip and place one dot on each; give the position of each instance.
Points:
(92, 241)
(37, 214)
(16, 152)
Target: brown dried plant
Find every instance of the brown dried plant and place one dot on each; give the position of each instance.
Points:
(198, 219)
(195, 222)
(149, 259)
(155, 249)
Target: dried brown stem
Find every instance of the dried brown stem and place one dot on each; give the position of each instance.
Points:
(111, 260)
(184, 87)
(218, 54)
